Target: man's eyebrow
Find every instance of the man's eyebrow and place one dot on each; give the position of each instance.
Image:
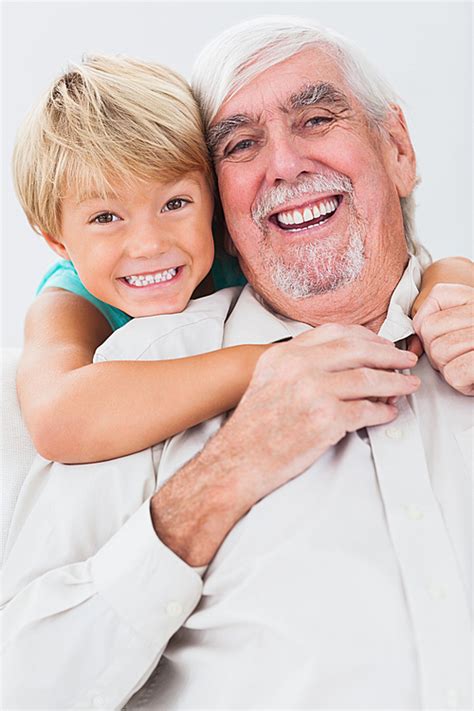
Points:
(223, 129)
(320, 93)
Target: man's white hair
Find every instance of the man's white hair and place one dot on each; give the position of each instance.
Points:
(237, 55)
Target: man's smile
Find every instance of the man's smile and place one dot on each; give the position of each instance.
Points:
(308, 214)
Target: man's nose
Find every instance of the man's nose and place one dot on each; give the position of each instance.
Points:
(147, 239)
(286, 159)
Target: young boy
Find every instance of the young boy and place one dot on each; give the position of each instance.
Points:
(112, 169)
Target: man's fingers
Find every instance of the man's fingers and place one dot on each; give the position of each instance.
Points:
(364, 413)
(356, 353)
(330, 332)
(363, 383)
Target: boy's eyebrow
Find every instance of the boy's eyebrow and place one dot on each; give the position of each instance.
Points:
(95, 196)
(319, 93)
(223, 129)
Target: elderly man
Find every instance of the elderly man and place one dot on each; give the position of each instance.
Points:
(331, 508)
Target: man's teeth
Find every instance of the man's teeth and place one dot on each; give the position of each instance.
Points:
(147, 279)
(296, 217)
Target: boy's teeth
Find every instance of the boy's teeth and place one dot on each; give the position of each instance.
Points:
(296, 217)
(147, 279)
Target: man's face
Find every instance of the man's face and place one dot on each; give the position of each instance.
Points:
(311, 192)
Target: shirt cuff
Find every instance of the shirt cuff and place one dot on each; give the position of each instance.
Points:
(147, 585)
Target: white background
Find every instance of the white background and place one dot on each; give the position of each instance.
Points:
(422, 48)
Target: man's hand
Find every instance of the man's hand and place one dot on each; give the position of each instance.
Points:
(304, 397)
(445, 325)
(307, 394)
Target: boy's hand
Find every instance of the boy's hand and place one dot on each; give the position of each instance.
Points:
(445, 325)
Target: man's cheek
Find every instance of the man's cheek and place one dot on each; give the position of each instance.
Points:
(236, 189)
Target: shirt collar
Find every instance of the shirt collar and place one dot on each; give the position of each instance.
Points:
(254, 322)
(398, 324)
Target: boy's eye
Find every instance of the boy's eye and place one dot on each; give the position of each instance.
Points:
(174, 204)
(105, 217)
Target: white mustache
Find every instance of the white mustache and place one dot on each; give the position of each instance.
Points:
(308, 185)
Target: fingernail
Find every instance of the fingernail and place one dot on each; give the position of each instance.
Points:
(413, 379)
(411, 356)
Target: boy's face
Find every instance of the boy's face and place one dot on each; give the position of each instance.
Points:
(145, 248)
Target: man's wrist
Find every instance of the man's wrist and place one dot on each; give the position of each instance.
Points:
(194, 511)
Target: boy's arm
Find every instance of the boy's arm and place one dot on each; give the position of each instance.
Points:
(444, 320)
(451, 270)
(79, 411)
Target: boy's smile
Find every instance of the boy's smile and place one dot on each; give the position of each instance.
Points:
(145, 247)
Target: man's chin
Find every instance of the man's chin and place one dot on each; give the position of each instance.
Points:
(315, 271)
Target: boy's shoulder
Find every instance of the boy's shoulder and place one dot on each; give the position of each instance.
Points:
(197, 329)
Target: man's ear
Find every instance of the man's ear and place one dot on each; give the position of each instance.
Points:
(56, 245)
(401, 155)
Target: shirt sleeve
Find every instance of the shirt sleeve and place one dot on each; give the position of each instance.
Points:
(63, 275)
(88, 635)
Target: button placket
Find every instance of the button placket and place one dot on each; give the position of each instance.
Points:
(424, 552)
(414, 512)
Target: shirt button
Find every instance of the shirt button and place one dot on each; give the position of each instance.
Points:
(452, 699)
(97, 702)
(413, 512)
(394, 432)
(174, 609)
(438, 592)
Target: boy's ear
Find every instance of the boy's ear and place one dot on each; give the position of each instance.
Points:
(56, 245)
(401, 155)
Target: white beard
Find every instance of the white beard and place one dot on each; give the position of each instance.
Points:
(317, 267)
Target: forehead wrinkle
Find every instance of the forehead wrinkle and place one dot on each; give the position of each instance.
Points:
(318, 93)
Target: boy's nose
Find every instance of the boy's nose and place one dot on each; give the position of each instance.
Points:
(147, 240)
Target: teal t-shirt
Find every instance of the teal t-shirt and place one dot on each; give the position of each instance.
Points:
(62, 275)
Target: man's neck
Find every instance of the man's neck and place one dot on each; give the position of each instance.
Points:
(364, 302)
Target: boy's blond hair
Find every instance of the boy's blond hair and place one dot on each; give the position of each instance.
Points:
(108, 119)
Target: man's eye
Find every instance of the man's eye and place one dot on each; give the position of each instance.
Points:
(105, 217)
(240, 146)
(318, 120)
(174, 204)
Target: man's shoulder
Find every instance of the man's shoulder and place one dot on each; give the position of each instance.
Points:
(197, 329)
